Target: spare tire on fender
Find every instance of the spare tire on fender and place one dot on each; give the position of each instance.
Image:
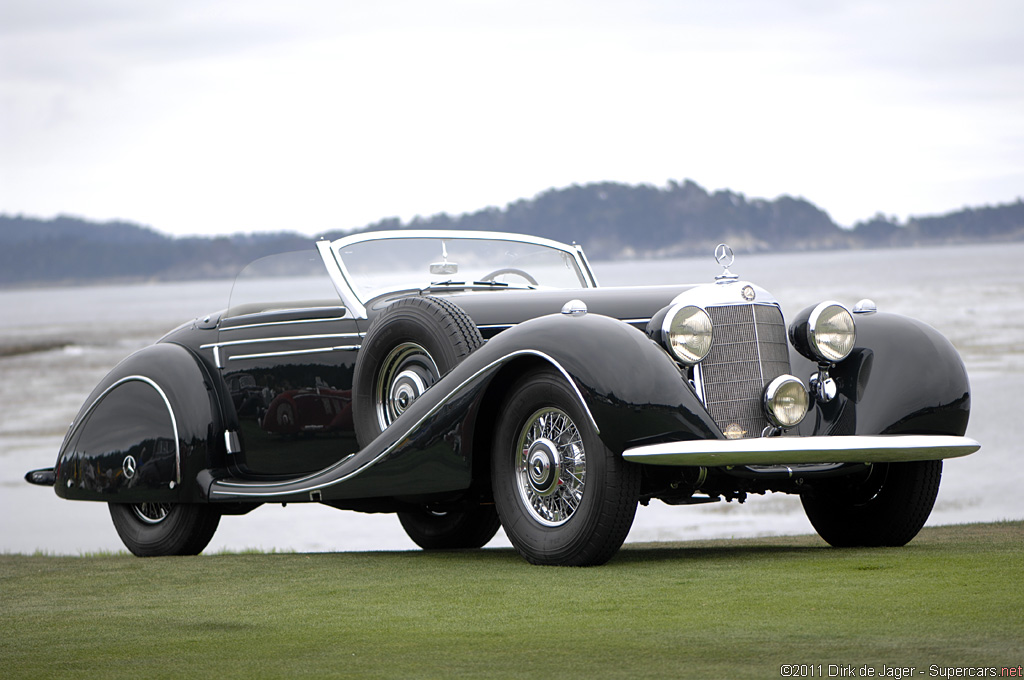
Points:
(407, 348)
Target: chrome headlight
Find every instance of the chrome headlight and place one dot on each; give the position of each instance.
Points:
(824, 333)
(687, 333)
(785, 401)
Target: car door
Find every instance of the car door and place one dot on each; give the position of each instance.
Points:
(289, 374)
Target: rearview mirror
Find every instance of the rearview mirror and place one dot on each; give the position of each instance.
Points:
(444, 268)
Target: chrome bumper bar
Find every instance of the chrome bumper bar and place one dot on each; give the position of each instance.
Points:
(792, 450)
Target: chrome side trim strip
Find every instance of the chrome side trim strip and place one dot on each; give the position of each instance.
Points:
(296, 352)
(286, 338)
(258, 489)
(294, 322)
(505, 326)
(790, 450)
(167, 402)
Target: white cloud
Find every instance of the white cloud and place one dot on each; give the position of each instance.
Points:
(218, 116)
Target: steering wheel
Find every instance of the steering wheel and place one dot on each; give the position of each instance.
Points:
(510, 270)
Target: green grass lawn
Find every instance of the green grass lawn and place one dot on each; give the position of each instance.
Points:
(953, 598)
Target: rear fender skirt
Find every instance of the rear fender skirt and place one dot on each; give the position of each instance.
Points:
(629, 387)
(144, 432)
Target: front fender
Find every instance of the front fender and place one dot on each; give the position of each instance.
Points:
(144, 433)
(634, 390)
(903, 377)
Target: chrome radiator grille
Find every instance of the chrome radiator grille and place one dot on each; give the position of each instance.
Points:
(748, 351)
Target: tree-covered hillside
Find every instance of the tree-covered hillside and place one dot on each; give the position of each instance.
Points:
(610, 220)
(68, 249)
(617, 220)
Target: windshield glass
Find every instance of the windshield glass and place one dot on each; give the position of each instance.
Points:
(374, 267)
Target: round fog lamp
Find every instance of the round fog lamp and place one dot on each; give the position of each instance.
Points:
(831, 331)
(785, 401)
(688, 330)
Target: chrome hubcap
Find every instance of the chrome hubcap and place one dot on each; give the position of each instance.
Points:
(406, 373)
(404, 390)
(544, 465)
(551, 467)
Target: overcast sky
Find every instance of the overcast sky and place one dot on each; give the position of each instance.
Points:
(210, 116)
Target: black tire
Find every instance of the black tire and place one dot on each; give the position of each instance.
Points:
(407, 348)
(563, 497)
(888, 508)
(160, 529)
(451, 530)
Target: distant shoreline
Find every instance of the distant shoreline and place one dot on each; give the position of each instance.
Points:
(639, 257)
(612, 221)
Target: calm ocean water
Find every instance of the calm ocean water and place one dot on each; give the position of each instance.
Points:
(973, 294)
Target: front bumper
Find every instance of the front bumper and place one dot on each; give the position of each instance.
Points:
(798, 450)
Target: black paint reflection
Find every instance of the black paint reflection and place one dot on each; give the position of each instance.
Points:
(126, 442)
(281, 405)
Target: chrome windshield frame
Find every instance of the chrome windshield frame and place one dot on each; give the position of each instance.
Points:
(330, 251)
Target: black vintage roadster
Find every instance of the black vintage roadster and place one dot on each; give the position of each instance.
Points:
(467, 381)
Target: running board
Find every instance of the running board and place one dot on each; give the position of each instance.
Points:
(790, 450)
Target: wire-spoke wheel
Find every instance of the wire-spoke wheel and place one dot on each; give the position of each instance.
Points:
(551, 468)
(151, 513)
(564, 498)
